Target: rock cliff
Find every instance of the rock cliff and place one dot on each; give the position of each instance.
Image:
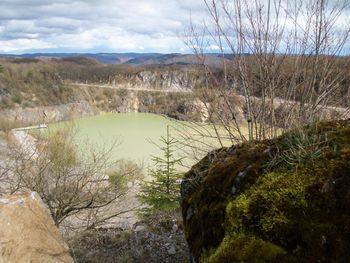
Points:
(47, 114)
(175, 80)
(281, 200)
(27, 232)
(169, 79)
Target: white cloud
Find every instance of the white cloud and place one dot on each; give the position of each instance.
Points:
(98, 25)
(214, 47)
(24, 44)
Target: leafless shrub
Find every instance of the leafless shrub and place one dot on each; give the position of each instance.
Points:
(282, 58)
(73, 183)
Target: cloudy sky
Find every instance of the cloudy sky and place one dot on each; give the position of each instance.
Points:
(28, 26)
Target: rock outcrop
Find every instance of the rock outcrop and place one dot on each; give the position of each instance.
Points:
(175, 80)
(27, 232)
(47, 114)
(281, 200)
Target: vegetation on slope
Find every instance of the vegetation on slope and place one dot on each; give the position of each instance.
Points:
(32, 83)
(29, 83)
(280, 200)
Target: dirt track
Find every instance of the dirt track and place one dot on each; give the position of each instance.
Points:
(83, 85)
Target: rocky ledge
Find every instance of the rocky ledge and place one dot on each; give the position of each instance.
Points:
(28, 233)
(47, 114)
(280, 200)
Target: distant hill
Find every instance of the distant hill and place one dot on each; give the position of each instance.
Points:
(104, 58)
(126, 58)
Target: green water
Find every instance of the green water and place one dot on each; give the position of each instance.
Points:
(133, 132)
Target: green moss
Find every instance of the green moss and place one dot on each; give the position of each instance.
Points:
(210, 198)
(244, 249)
(291, 203)
(262, 208)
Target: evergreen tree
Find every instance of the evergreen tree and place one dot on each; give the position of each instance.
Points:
(162, 192)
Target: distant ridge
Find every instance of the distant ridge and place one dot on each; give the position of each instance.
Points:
(126, 58)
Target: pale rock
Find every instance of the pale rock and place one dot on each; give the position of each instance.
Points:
(28, 233)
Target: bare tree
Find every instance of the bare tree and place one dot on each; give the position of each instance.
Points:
(282, 60)
(73, 183)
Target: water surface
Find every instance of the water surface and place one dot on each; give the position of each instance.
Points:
(134, 133)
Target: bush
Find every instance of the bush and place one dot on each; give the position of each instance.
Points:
(7, 125)
(6, 102)
(117, 174)
(29, 77)
(71, 182)
(16, 98)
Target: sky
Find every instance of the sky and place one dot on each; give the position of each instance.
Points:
(28, 26)
(95, 26)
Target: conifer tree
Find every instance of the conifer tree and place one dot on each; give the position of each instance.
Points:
(163, 190)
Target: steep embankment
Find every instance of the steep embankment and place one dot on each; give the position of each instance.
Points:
(281, 200)
(47, 114)
(34, 91)
(174, 80)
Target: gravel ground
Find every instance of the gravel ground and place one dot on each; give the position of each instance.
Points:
(159, 239)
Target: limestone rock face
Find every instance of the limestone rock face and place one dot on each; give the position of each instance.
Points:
(284, 200)
(27, 232)
(47, 114)
(175, 80)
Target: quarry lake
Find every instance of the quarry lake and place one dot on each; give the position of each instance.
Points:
(133, 132)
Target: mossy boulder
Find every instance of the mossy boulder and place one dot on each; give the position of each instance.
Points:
(280, 200)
